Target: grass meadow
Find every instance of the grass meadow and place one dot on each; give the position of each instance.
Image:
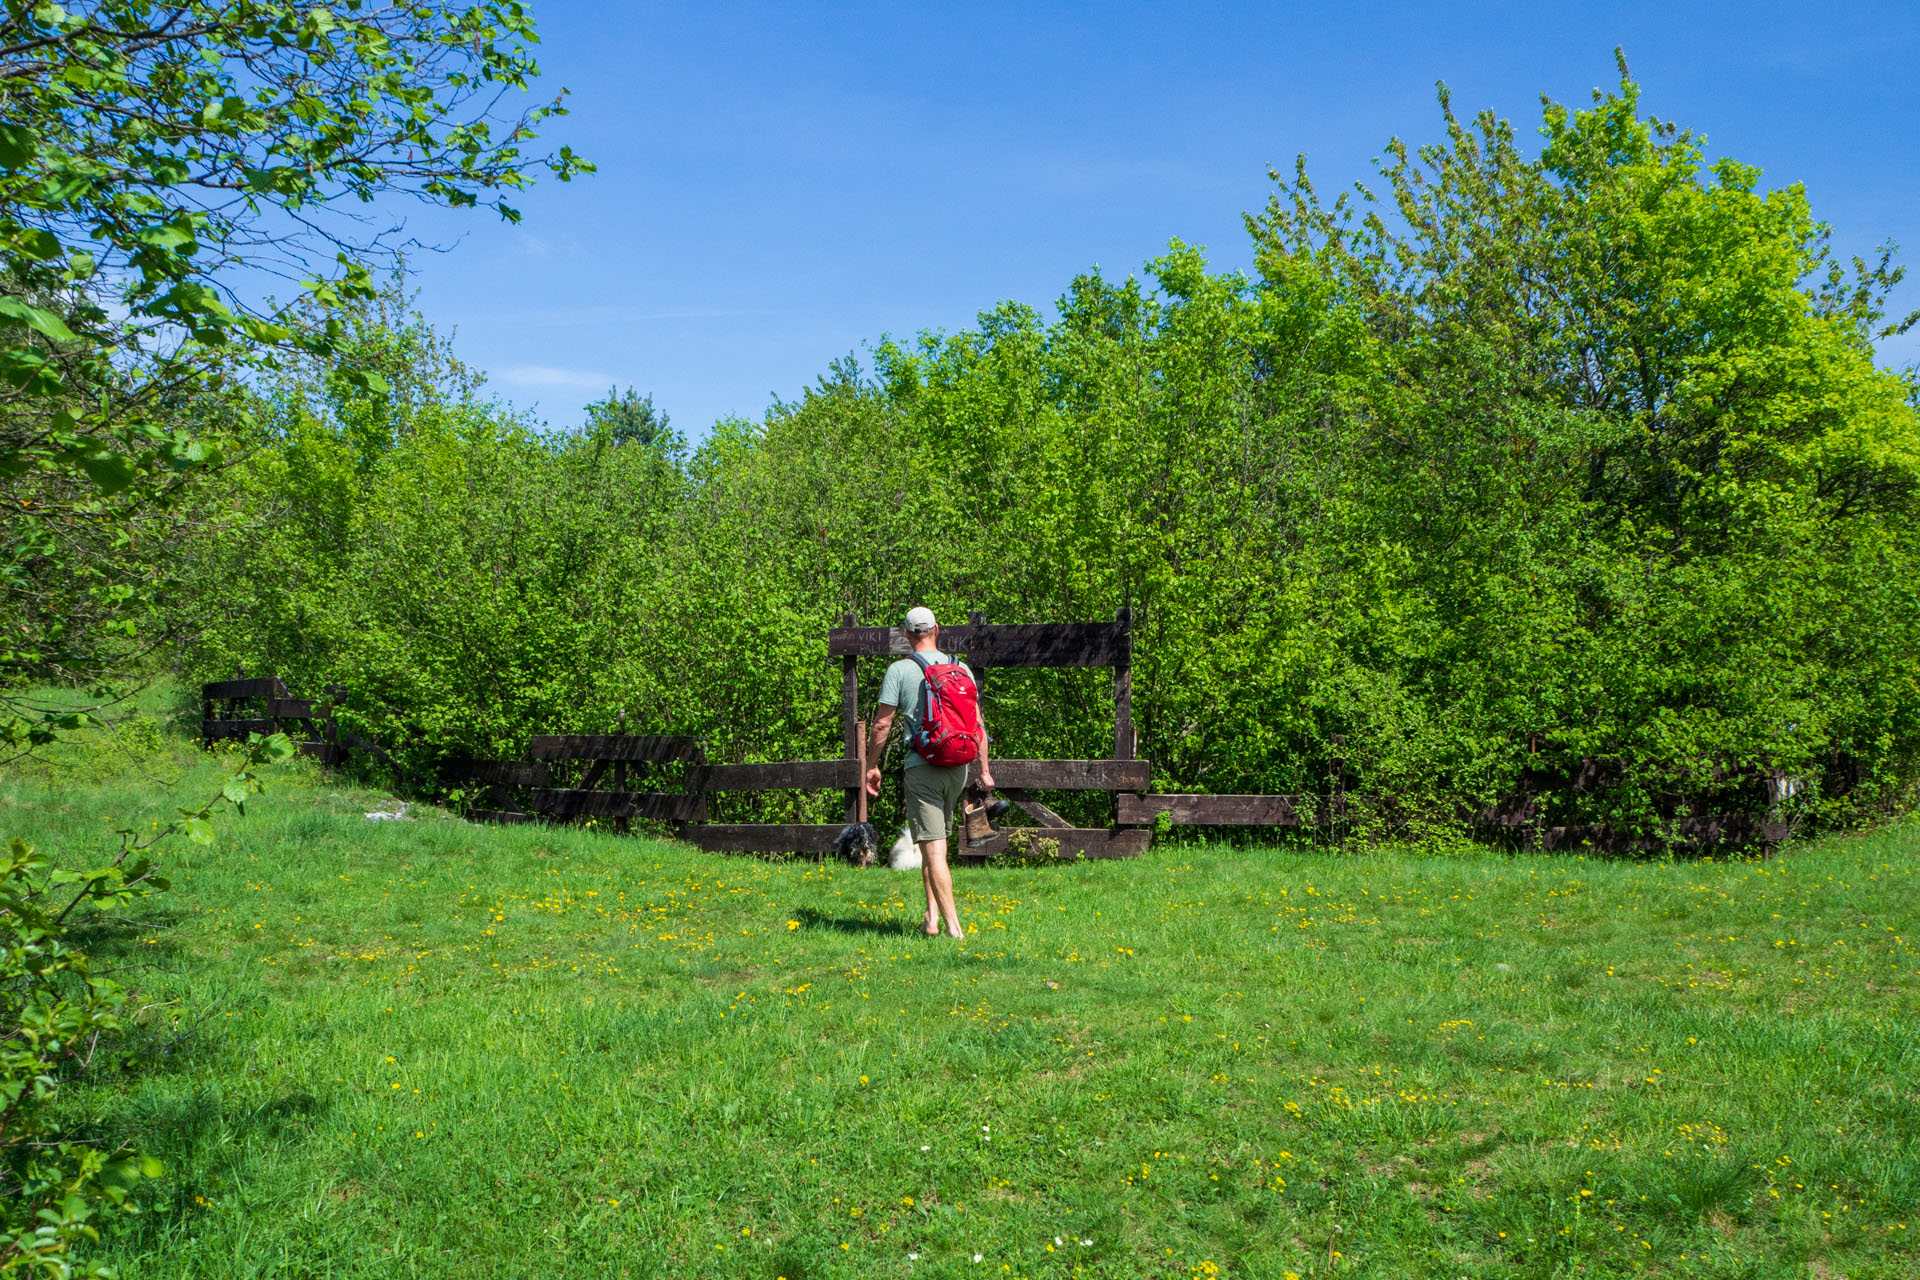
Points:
(424, 1048)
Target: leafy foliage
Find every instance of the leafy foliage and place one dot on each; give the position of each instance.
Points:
(157, 165)
(1574, 462)
(630, 418)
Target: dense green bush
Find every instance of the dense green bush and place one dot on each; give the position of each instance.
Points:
(1580, 457)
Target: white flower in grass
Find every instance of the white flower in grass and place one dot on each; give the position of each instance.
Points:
(976, 1257)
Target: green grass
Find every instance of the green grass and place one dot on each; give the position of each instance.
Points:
(430, 1049)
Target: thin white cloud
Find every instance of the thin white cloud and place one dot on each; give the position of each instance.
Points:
(546, 375)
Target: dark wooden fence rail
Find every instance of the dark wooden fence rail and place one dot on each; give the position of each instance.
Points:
(1521, 818)
(500, 779)
(261, 704)
(617, 778)
(236, 708)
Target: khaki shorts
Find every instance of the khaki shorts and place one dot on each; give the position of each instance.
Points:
(933, 793)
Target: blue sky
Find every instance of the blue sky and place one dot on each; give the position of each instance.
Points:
(779, 185)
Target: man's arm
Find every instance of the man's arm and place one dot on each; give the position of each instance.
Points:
(984, 774)
(877, 734)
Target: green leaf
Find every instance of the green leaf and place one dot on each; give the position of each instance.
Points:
(42, 322)
(109, 472)
(166, 235)
(29, 370)
(38, 243)
(198, 830)
(265, 331)
(17, 146)
(183, 451)
(65, 185)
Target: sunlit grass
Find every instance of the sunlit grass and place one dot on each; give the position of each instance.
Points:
(428, 1048)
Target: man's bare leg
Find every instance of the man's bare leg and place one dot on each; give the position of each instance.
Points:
(931, 925)
(933, 867)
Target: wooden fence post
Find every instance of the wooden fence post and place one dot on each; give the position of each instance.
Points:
(1124, 743)
(850, 727)
(1338, 802)
(334, 693)
(860, 736)
(620, 766)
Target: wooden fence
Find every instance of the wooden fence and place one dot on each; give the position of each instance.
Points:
(1523, 818)
(261, 704)
(618, 778)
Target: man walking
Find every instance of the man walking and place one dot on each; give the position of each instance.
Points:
(943, 725)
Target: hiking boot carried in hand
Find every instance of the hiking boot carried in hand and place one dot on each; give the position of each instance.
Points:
(977, 812)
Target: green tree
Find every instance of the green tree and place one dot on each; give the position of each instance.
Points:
(1633, 438)
(630, 418)
(158, 165)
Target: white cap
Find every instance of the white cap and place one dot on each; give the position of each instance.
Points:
(920, 618)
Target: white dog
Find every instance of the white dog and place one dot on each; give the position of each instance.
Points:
(905, 854)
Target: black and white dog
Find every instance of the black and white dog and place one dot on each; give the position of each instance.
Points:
(859, 846)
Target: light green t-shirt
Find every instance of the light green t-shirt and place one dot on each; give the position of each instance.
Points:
(901, 689)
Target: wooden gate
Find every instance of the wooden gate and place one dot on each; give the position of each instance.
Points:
(985, 647)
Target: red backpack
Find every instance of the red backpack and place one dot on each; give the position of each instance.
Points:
(950, 731)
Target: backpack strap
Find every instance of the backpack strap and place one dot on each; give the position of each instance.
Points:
(928, 694)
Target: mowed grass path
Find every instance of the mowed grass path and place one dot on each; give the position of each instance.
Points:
(431, 1049)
